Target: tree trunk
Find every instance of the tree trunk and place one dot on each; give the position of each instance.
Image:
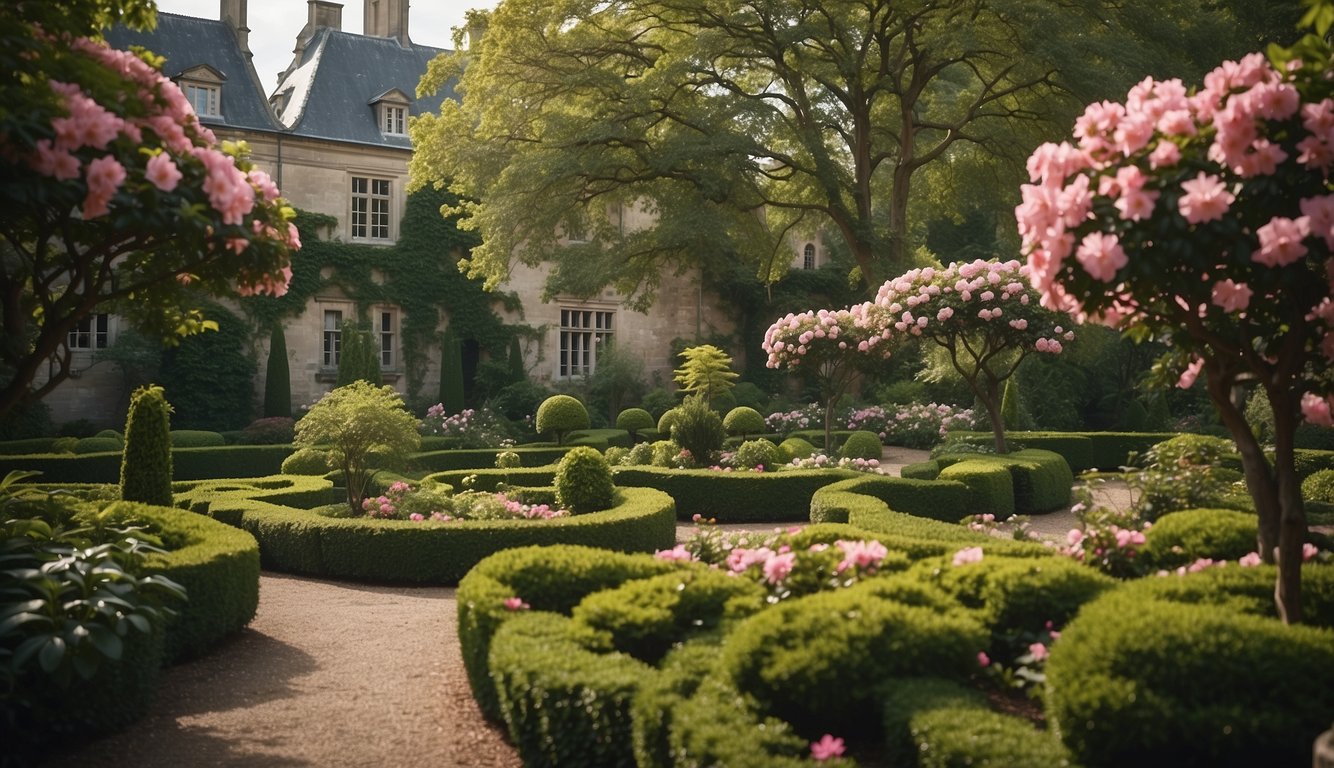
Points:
(1291, 522)
(828, 422)
(991, 401)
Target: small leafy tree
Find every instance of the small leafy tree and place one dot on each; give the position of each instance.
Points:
(1206, 221)
(278, 376)
(742, 421)
(707, 372)
(350, 422)
(698, 429)
(145, 465)
(560, 415)
(634, 421)
(358, 359)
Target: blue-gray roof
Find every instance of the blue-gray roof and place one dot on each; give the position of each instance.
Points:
(187, 42)
(331, 91)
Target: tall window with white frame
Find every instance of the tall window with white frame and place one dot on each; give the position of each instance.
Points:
(386, 323)
(92, 332)
(333, 338)
(394, 121)
(583, 332)
(808, 257)
(204, 98)
(370, 208)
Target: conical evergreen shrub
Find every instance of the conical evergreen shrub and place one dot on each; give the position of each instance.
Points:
(451, 372)
(145, 468)
(278, 378)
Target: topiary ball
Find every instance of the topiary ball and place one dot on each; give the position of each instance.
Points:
(560, 415)
(1319, 487)
(795, 448)
(99, 445)
(634, 420)
(583, 481)
(861, 444)
(757, 453)
(307, 461)
(667, 420)
(743, 421)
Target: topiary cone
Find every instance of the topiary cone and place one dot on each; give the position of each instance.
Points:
(145, 468)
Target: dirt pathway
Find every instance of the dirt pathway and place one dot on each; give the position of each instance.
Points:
(329, 674)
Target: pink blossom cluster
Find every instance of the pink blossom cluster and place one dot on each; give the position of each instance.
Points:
(1167, 152)
(790, 421)
(1124, 542)
(827, 748)
(1249, 560)
(859, 558)
(823, 461)
(521, 511)
(981, 294)
(795, 338)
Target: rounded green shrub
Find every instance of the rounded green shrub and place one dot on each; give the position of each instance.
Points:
(818, 661)
(743, 421)
(861, 444)
(666, 421)
(99, 445)
(110, 433)
(664, 453)
(1319, 487)
(635, 420)
(698, 429)
(639, 455)
(145, 467)
(617, 455)
(559, 415)
(758, 453)
(307, 461)
(271, 430)
(1157, 683)
(1021, 593)
(583, 481)
(795, 448)
(195, 438)
(1180, 538)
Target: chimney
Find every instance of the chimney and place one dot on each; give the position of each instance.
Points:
(320, 13)
(232, 12)
(387, 18)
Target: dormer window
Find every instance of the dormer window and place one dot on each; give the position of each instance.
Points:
(202, 87)
(391, 112)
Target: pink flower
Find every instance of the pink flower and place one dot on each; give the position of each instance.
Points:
(968, 555)
(1281, 241)
(1316, 410)
(778, 567)
(1249, 560)
(679, 553)
(416, 517)
(516, 604)
(1074, 536)
(983, 660)
(59, 164)
(1206, 199)
(162, 172)
(1165, 155)
(1309, 551)
(1038, 650)
(104, 175)
(826, 748)
(1191, 373)
(861, 554)
(1231, 296)
(1101, 255)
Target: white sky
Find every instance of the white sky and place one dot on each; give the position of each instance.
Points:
(274, 25)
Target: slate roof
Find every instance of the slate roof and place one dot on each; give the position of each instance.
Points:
(329, 94)
(187, 42)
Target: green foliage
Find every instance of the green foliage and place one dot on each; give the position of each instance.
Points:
(1319, 487)
(861, 444)
(1152, 682)
(990, 482)
(358, 357)
(194, 438)
(743, 421)
(271, 430)
(1184, 472)
(583, 481)
(795, 448)
(817, 661)
(734, 497)
(209, 377)
(352, 421)
(617, 381)
(922, 470)
(559, 415)
(145, 470)
(635, 420)
(451, 372)
(99, 445)
(187, 463)
(667, 419)
(1010, 404)
(697, 429)
(1182, 537)
(757, 453)
(277, 377)
(307, 461)
(706, 372)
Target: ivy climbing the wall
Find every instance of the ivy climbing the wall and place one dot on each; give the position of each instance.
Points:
(418, 274)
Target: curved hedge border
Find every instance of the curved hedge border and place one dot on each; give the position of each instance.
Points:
(1040, 480)
(735, 497)
(187, 464)
(300, 491)
(1104, 451)
(490, 479)
(484, 458)
(298, 541)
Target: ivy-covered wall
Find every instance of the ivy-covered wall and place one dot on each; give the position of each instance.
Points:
(418, 274)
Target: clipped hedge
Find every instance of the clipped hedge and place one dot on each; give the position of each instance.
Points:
(491, 479)
(945, 501)
(27, 446)
(196, 438)
(551, 579)
(734, 497)
(922, 470)
(187, 464)
(428, 552)
(484, 458)
(1041, 479)
(990, 482)
(299, 491)
(1152, 682)
(1180, 538)
(818, 661)
(1083, 451)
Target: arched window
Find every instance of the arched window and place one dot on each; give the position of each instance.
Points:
(808, 257)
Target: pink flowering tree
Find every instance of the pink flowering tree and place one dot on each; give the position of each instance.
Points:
(983, 313)
(114, 198)
(1204, 218)
(830, 347)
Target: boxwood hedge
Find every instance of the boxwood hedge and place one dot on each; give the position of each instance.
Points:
(735, 497)
(1180, 538)
(187, 463)
(1083, 451)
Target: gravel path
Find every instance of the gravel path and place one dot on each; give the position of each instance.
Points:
(336, 674)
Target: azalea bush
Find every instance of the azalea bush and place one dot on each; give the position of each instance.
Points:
(786, 422)
(404, 501)
(923, 425)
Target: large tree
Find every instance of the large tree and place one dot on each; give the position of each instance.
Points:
(112, 196)
(732, 122)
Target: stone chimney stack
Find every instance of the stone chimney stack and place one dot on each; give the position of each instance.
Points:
(233, 13)
(321, 13)
(387, 18)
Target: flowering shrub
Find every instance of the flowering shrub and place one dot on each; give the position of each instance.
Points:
(821, 461)
(1109, 540)
(872, 418)
(919, 425)
(472, 429)
(403, 501)
(1204, 219)
(807, 417)
(1025, 653)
